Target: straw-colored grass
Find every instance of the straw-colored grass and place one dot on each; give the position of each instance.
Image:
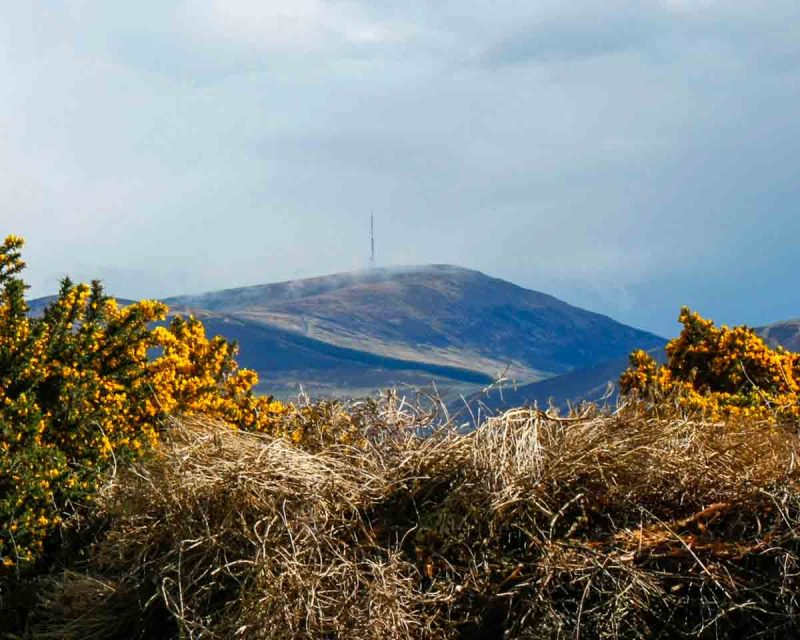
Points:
(609, 526)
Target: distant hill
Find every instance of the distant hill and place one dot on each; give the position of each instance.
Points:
(587, 384)
(437, 314)
(786, 334)
(354, 333)
(289, 362)
(596, 383)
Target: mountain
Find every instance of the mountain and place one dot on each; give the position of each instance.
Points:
(436, 314)
(587, 384)
(354, 333)
(785, 334)
(596, 383)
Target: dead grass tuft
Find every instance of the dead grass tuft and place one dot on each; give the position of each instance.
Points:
(608, 526)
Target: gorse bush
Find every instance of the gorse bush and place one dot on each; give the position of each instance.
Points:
(720, 372)
(88, 383)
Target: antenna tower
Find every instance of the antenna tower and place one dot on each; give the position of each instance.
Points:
(372, 241)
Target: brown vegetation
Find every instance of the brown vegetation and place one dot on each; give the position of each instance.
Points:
(605, 526)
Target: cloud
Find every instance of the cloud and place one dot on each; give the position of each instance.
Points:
(571, 37)
(307, 25)
(627, 156)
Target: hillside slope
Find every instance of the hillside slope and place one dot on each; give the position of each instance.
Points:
(437, 314)
(785, 334)
(354, 333)
(288, 362)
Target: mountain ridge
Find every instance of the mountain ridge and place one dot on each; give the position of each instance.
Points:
(785, 333)
(355, 332)
(442, 314)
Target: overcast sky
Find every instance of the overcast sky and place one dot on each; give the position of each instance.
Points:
(626, 156)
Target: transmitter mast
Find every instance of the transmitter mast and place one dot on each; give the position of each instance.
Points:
(372, 241)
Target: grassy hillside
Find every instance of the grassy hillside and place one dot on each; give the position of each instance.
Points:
(288, 361)
(436, 314)
(356, 333)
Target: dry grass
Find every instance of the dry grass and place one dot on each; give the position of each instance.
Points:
(609, 526)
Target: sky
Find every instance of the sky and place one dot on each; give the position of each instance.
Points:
(626, 156)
